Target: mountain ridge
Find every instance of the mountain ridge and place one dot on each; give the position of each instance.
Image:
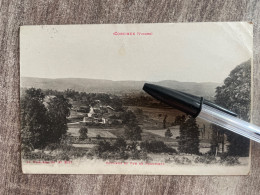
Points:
(205, 89)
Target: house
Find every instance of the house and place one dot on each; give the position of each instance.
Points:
(94, 120)
(100, 114)
(84, 109)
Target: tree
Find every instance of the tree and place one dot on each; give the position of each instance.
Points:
(189, 137)
(34, 120)
(168, 133)
(83, 131)
(234, 95)
(120, 144)
(179, 120)
(103, 146)
(156, 146)
(164, 121)
(58, 111)
(43, 120)
(128, 117)
(116, 103)
(133, 132)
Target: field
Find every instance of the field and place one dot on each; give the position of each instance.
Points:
(92, 132)
(152, 119)
(161, 132)
(172, 141)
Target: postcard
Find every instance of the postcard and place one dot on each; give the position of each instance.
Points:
(83, 110)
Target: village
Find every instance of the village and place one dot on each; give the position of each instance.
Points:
(107, 123)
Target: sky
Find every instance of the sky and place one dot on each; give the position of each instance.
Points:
(187, 52)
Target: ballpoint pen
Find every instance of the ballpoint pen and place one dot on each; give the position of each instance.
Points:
(204, 109)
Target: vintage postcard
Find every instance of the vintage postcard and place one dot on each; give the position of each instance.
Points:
(83, 110)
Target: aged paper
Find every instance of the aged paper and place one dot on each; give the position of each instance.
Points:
(83, 110)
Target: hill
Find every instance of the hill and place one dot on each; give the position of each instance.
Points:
(116, 87)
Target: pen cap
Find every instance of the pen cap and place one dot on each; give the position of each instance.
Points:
(209, 103)
(176, 99)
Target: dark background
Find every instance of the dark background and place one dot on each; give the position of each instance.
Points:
(37, 12)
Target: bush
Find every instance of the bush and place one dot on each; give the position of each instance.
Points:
(168, 133)
(229, 160)
(52, 146)
(76, 152)
(62, 156)
(156, 147)
(182, 160)
(38, 156)
(138, 111)
(104, 155)
(83, 133)
(119, 145)
(26, 149)
(103, 146)
(122, 155)
(91, 153)
(205, 159)
(143, 156)
(133, 132)
(135, 155)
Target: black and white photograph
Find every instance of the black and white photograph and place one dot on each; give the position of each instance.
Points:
(83, 109)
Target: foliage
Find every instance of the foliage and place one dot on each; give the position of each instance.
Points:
(229, 160)
(205, 159)
(156, 147)
(89, 98)
(83, 131)
(133, 132)
(42, 121)
(120, 144)
(214, 142)
(139, 111)
(115, 151)
(164, 121)
(132, 146)
(234, 95)
(168, 133)
(189, 137)
(180, 119)
(34, 120)
(181, 160)
(140, 100)
(62, 152)
(58, 111)
(38, 156)
(103, 146)
(128, 117)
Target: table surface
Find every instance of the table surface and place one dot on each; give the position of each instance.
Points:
(14, 13)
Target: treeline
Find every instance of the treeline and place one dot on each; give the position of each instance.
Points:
(121, 149)
(42, 121)
(89, 98)
(141, 100)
